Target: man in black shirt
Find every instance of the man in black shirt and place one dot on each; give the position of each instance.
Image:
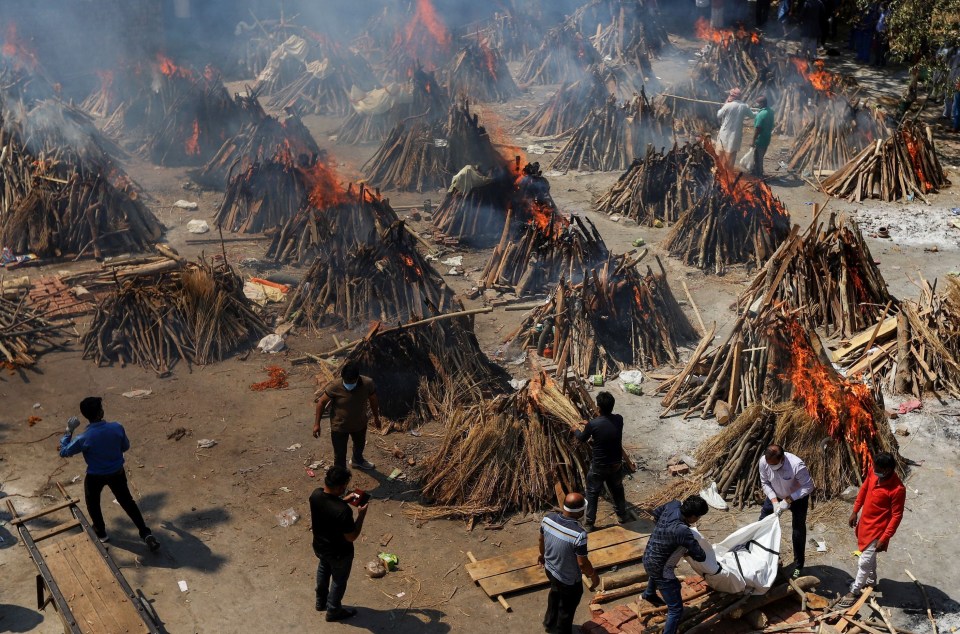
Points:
(334, 531)
(607, 465)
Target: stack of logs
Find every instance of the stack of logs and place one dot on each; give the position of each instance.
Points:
(691, 104)
(476, 217)
(63, 192)
(661, 185)
(827, 275)
(354, 284)
(25, 335)
(480, 72)
(323, 87)
(615, 319)
(738, 57)
(422, 154)
(904, 164)
(836, 133)
(738, 220)
(198, 315)
(564, 53)
(567, 107)
(263, 139)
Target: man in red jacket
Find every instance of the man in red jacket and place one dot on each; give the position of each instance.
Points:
(880, 504)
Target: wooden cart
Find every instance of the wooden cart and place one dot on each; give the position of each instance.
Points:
(78, 576)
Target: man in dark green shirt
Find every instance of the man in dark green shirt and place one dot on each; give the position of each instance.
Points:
(763, 130)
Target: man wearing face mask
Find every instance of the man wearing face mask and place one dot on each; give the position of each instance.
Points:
(787, 485)
(348, 399)
(880, 505)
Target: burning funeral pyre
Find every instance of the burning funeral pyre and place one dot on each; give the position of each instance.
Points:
(837, 131)
(330, 215)
(622, 28)
(198, 315)
(736, 57)
(614, 320)
(421, 154)
(475, 206)
(803, 88)
(611, 136)
(322, 85)
(480, 72)
(357, 282)
(504, 454)
(661, 185)
(564, 53)
(63, 192)
(902, 165)
(423, 42)
(263, 139)
(770, 378)
(376, 112)
(539, 245)
(414, 363)
(690, 104)
(827, 275)
(737, 220)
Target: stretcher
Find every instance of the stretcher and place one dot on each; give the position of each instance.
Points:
(78, 577)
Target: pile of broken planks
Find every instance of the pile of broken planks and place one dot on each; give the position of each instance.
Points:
(519, 570)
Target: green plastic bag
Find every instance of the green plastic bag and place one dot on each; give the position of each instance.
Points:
(390, 561)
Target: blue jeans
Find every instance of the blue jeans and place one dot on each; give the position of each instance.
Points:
(956, 111)
(670, 592)
(332, 575)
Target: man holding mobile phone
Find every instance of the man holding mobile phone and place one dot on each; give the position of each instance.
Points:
(334, 531)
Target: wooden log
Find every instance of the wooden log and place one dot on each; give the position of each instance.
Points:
(776, 593)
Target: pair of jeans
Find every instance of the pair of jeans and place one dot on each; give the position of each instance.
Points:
(956, 111)
(798, 510)
(758, 154)
(612, 476)
(339, 440)
(671, 595)
(93, 485)
(562, 602)
(332, 576)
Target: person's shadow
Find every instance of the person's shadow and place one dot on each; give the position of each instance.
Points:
(399, 621)
(15, 618)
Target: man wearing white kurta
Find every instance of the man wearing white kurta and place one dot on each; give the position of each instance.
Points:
(787, 485)
(731, 117)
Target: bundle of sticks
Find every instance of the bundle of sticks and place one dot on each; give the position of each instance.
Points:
(838, 131)
(198, 115)
(25, 335)
(610, 136)
(504, 454)
(323, 87)
(198, 315)
(286, 62)
(661, 185)
(691, 104)
(622, 27)
(354, 284)
(415, 363)
(615, 319)
(422, 154)
(549, 247)
(737, 220)
(513, 32)
(480, 72)
(902, 165)
(827, 276)
(475, 217)
(354, 216)
(736, 56)
(915, 351)
(63, 192)
(567, 107)
(263, 139)
(796, 399)
(564, 53)
(801, 89)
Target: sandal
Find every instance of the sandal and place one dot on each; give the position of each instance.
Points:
(846, 602)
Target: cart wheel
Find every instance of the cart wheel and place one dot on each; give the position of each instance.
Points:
(148, 608)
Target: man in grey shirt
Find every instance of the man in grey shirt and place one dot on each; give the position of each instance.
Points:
(563, 555)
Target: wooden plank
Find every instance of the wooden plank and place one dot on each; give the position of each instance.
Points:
(73, 585)
(888, 326)
(56, 530)
(533, 576)
(528, 556)
(42, 512)
(111, 601)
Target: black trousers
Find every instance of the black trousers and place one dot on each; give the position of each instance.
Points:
(339, 440)
(798, 510)
(612, 476)
(758, 154)
(562, 602)
(117, 482)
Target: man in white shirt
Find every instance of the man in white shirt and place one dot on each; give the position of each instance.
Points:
(731, 117)
(787, 485)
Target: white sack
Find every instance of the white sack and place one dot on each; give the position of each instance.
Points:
(746, 561)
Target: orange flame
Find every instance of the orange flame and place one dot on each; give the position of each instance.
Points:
(844, 407)
(411, 264)
(489, 57)
(13, 48)
(425, 37)
(822, 80)
(168, 68)
(323, 187)
(913, 150)
(192, 145)
(724, 37)
(750, 193)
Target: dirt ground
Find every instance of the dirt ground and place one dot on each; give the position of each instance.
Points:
(214, 510)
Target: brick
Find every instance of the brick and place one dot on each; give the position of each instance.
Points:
(618, 616)
(633, 627)
(679, 469)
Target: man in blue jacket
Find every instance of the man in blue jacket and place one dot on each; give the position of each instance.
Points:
(670, 541)
(102, 445)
